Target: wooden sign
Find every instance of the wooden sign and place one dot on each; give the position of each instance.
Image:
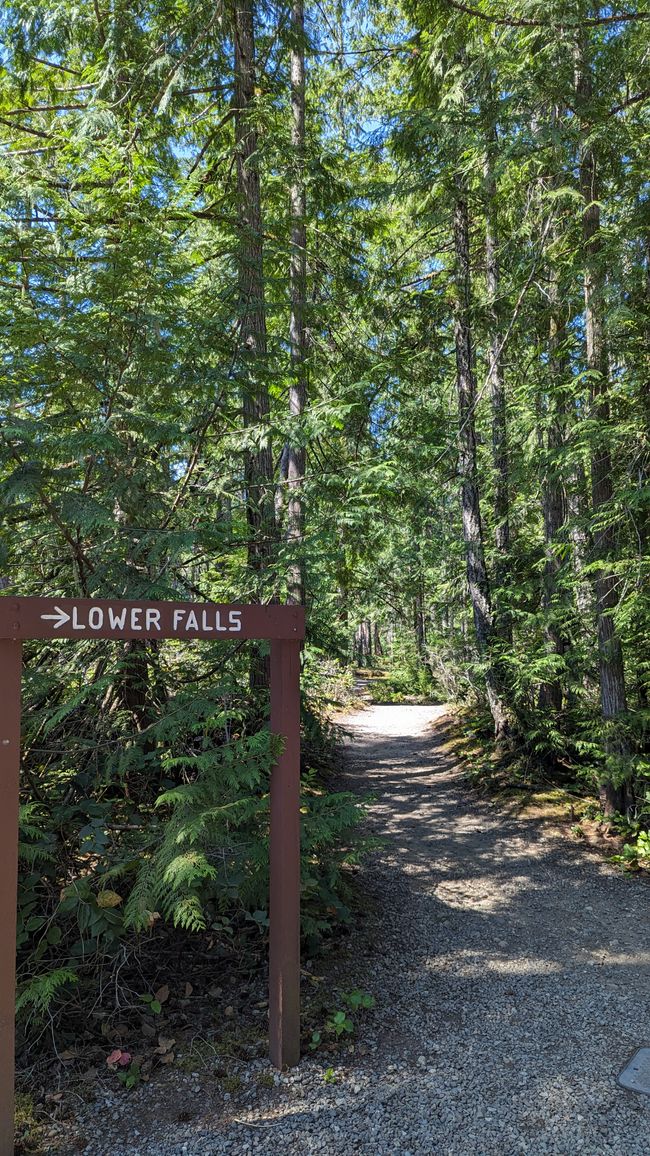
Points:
(90, 618)
(83, 618)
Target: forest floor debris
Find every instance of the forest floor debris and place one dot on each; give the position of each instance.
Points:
(510, 969)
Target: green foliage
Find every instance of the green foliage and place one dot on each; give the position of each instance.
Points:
(153, 1005)
(338, 1024)
(339, 1021)
(635, 854)
(404, 680)
(358, 999)
(214, 848)
(36, 998)
(131, 1077)
(330, 843)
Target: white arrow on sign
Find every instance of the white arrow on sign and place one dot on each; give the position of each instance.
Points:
(59, 618)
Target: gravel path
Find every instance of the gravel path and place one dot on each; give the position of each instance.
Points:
(511, 970)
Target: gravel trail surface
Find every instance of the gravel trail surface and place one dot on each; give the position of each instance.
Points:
(511, 972)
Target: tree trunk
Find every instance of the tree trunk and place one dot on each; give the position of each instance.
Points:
(610, 653)
(420, 625)
(553, 495)
(578, 511)
(258, 461)
(295, 451)
(642, 624)
(363, 644)
(477, 578)
(500, 469)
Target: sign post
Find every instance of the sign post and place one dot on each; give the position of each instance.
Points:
(284, 854)
(80, 618)
(10, 676)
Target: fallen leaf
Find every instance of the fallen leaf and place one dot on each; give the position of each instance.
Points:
(162, 995)
(230, 1011)
(188, 990)
(67, 1055)
(148, 1029)
(164, 1045)
(168, 1058)
(108, 899)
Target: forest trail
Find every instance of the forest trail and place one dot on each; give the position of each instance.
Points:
(511, 973)
(514, 982)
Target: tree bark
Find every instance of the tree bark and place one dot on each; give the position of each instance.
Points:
(258, 461)
(252, 326)
(419, 624)
(553, 494)
(477, 577)
(295, 450)
(642, 624)
(610, 652)
(578, 511)
(500, 468)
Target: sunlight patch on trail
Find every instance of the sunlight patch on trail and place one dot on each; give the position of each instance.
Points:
(484, 895)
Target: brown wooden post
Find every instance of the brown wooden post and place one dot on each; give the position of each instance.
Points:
(284, 931)
(10, 672)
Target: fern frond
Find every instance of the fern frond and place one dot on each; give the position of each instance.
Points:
(35, 999)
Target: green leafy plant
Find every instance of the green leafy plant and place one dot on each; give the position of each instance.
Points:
(339, 1024)
(212, 846)
(131, 1078)
(37, 995)
(358, 1000)
(637, 854)
(153, 1004)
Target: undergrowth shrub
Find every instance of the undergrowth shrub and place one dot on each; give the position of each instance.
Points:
(127, 828)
